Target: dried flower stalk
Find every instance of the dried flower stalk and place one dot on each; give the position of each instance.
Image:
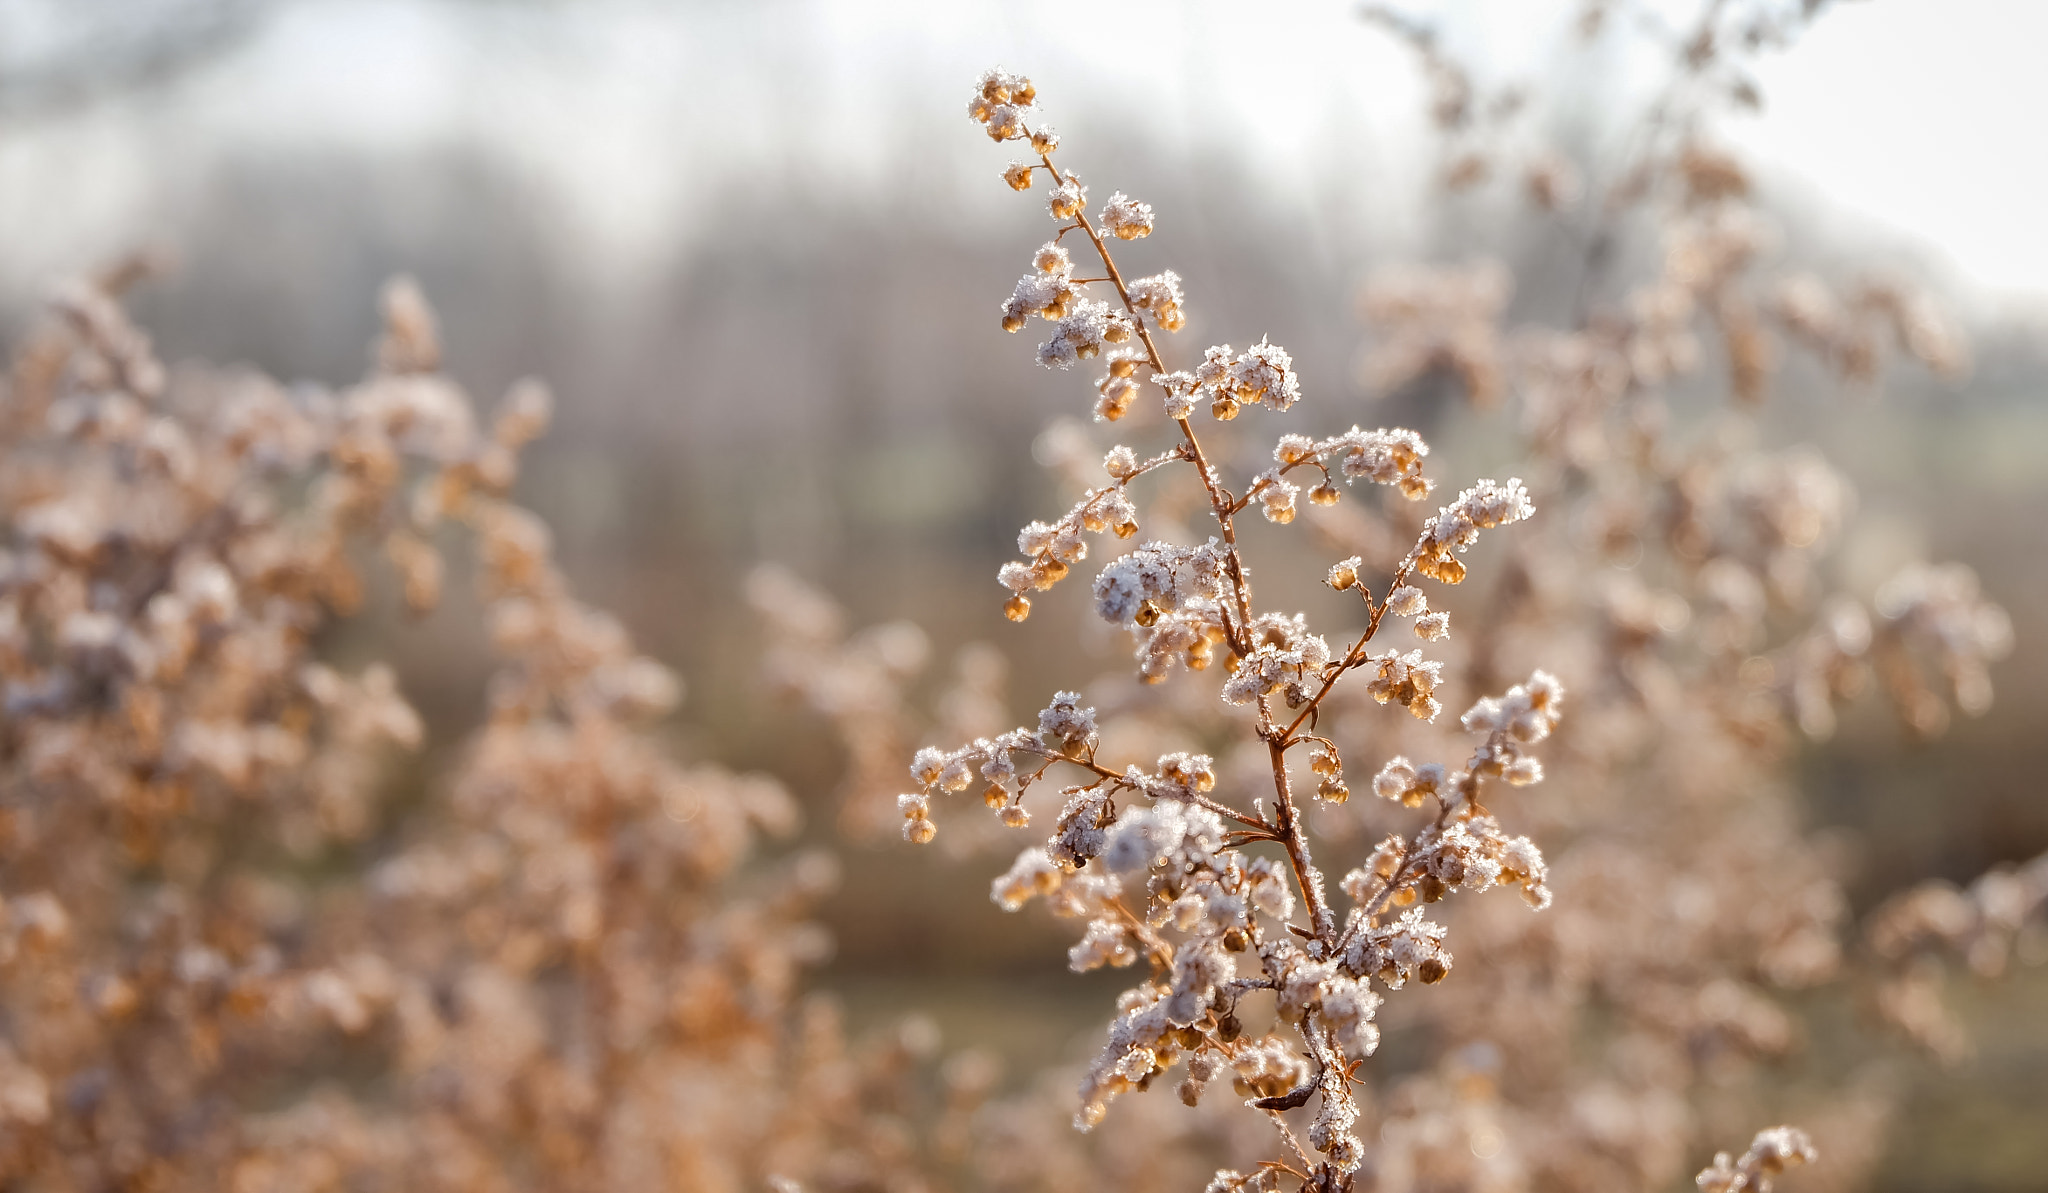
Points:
(1157, 860)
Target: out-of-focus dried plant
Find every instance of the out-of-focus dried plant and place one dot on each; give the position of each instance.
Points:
(1682, 587)
(575, 972)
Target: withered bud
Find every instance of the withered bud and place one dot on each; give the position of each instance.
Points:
(1112, 406)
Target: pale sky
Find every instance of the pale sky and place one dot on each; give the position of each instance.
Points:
(1926, 116)
(1917, 117)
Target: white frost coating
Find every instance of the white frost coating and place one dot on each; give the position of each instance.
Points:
(1163, 573)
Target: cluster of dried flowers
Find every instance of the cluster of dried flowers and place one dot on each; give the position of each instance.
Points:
(1682, 589)
(1168, 865)
(1678, 584)
(556, 976)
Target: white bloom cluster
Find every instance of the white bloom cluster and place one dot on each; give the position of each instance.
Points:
(1032, 874)
(1482, 507)
(1104, 942)
(1082, 828)
(918, 828)
(1475, 855)
(1064, 729)
(1365, 883)
(1160, 293)
(1107, 940)
(1175, 852)
(1143, 1042)
(1117, 386)
(1160, 575)
(1261, 375)
(1180, 389)
(1048, 291)
(1084, 895)
(1523, 716)
(1408, 601)
(1410, 947)
(1067, 198)
(1407, 680)
(1772, 1151)
(1065, 722)
(1388, 457)
(1125, 218)
(1276, 496)
(999, 102)
(1051, 258)
(1051, 547)
(1269, 1066)
(1288, 665)
(1348, 1006)
(1179, 776)
(1384, 457)
(1081, 333)
(1062, 541)
(1408, 784)
(1181, 835)
(1943, 608)
(1209, 896)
